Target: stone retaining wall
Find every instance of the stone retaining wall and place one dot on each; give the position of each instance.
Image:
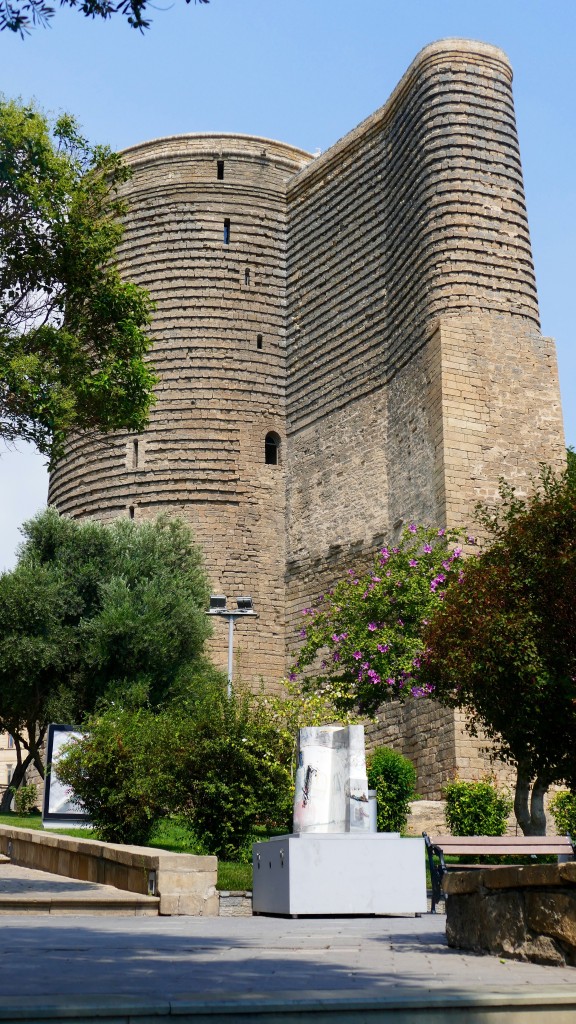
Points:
(185, 883)
(526, 913)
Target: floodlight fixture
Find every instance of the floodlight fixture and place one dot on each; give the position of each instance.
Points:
(218, 606)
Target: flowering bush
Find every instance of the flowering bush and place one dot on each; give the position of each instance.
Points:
(362, 641)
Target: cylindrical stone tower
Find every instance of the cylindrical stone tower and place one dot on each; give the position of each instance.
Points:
(206, 235)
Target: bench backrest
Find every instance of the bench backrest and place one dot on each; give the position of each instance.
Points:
(505, 845)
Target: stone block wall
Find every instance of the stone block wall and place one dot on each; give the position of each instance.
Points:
(219, 351)
(526, 913)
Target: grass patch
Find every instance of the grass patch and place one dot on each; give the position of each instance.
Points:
(35, 821)
(234, 876)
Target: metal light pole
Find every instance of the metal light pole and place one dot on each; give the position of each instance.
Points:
(244, 607)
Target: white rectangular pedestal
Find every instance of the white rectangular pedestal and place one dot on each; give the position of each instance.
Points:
(339, 873)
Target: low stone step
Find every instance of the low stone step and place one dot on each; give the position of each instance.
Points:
(4, 859)
(127, 904)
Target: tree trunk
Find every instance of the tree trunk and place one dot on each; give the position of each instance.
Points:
(17, 779)
(537, 815)
(529, 807)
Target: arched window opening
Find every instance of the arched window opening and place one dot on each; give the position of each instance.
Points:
(272, 449)
(131, 511)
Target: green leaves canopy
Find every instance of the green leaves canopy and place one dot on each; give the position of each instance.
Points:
(363, 639)
(72, 333)
(93, 611)
(21, 15)
(503, 644)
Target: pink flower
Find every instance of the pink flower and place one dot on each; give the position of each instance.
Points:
(372, 626)
(441, 532)
(413, 563)
(413, 528)
(427, 549)
(383, 648)
(302, 633)
(357, 655)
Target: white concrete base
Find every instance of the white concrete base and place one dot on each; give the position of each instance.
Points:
(339, 873)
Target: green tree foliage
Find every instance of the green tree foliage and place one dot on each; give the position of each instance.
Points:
(216, 761)
(363, 639)
(393, 776)
(72, 333)
(93, 611)
(502, 646)
(476, 808)
(21, 15)
(563, 810)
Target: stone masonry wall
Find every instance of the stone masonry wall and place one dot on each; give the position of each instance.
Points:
(416, 374)
(376, 308)
(202, 456)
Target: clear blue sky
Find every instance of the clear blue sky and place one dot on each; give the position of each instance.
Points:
(305, 72)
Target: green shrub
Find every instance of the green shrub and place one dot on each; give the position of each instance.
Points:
(25, 798)
(393, 777)
(476, 808)
(239, 773)
(217, 762)
(563, 810)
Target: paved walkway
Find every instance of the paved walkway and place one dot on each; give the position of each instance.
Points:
(173, 961)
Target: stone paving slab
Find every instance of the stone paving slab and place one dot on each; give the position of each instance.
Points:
(133, 970)
(168, 957)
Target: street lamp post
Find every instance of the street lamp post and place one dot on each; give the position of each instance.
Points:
(244, 607)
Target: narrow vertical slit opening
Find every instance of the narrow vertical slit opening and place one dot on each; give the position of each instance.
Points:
(227, 231)
(220, 170)
(258, 341)
(131, 512)
(247, 276)
(271, 449)
(135, 454)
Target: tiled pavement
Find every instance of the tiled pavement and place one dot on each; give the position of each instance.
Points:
(171, 958)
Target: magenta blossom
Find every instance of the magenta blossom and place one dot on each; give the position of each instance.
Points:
(413, 528)
(427, 549)
(372, 626)
(357, 655)
(383, 648)
(413, 563)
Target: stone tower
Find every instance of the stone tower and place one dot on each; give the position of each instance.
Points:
(345, 343)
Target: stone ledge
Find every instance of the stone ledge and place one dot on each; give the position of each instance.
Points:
(185, 883)
(235, 903)
(526, 913)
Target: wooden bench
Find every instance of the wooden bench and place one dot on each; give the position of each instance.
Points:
(439, 847)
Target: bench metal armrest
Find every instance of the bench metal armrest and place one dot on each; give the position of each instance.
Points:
(436, 870)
